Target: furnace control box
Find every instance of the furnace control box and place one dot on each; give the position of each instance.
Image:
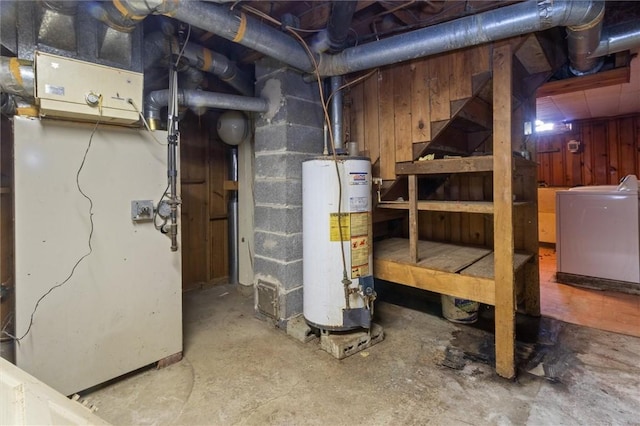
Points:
(72, 89)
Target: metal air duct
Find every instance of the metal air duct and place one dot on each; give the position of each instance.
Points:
(17, 78)
(583, 39)
(158, 45)
(158, 99)
(496, 24)
(334, 37)
(617, 38)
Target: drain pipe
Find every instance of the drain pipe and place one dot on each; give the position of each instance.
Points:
(233, 217)
(158, 45)
(582, 40)
(337, 117)
(617, 38)
(158, 99)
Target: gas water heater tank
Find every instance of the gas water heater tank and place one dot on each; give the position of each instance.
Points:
(337, 243)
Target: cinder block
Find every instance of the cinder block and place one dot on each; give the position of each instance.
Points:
(278, 192)
(298, 328)
(285, 137)
(281, 165)
(282, 247)
(291, 80)
(282, 219)
(291, 303)
(342, 345)
(288, 274)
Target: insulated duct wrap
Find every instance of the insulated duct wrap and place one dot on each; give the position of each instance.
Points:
(17, 78)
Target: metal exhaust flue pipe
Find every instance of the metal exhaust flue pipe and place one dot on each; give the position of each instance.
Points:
(158, 99)
(583, 39)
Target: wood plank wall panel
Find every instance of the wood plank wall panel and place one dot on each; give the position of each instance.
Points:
(420, 105)
(609, 151)
(439, 87)
(386, 127)
(371, 121)
(402, 112)
(398, 104)
(203, 171)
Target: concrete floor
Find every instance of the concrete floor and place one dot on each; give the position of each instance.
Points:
(239, 370)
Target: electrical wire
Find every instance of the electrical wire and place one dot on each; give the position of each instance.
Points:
(350, 83)
(184, 45)
(155, 213)
(91, 228)
(345, 280)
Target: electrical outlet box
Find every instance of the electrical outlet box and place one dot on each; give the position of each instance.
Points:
(72, 89)
(142, 210)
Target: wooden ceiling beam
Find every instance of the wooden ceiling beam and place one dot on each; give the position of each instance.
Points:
(592, 81)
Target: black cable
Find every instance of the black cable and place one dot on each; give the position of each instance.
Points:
(35, 308)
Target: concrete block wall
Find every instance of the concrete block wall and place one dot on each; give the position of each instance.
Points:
(290, 132)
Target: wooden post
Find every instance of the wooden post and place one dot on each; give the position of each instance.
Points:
(503, 211)
(413, 218)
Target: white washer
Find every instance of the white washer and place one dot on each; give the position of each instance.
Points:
(598, 230)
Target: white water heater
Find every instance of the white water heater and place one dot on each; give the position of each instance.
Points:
(337, 243)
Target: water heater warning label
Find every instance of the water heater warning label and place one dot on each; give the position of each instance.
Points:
(335, 227)
(359, 256)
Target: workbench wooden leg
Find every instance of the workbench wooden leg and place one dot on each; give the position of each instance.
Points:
(413, 218)
(503, 212)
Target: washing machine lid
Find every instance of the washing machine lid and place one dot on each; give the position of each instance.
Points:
(628, 185)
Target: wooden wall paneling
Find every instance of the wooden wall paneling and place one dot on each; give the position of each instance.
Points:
(218, 234)
(402, 112)
(465, 218)
(627, 148)
(613, 168)
(356, 115)
(194, 176)
(387, 125)
(587, 165)
(420, 102)
(426, 220)
(460, 82)
(194, 230)
(476, 221)
(193, 151)
(557, 162)
(218, 229)
(371, 131)
(455, 218)
(217, 175)
(599, 153)
(439, 69)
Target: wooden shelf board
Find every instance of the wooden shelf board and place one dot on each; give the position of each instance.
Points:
(436, 269)
(448, 206)
(482, 163)
(5, 190)
(484, 267)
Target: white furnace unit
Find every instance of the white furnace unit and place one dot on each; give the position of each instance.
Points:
(97, 294)
(337, 243)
